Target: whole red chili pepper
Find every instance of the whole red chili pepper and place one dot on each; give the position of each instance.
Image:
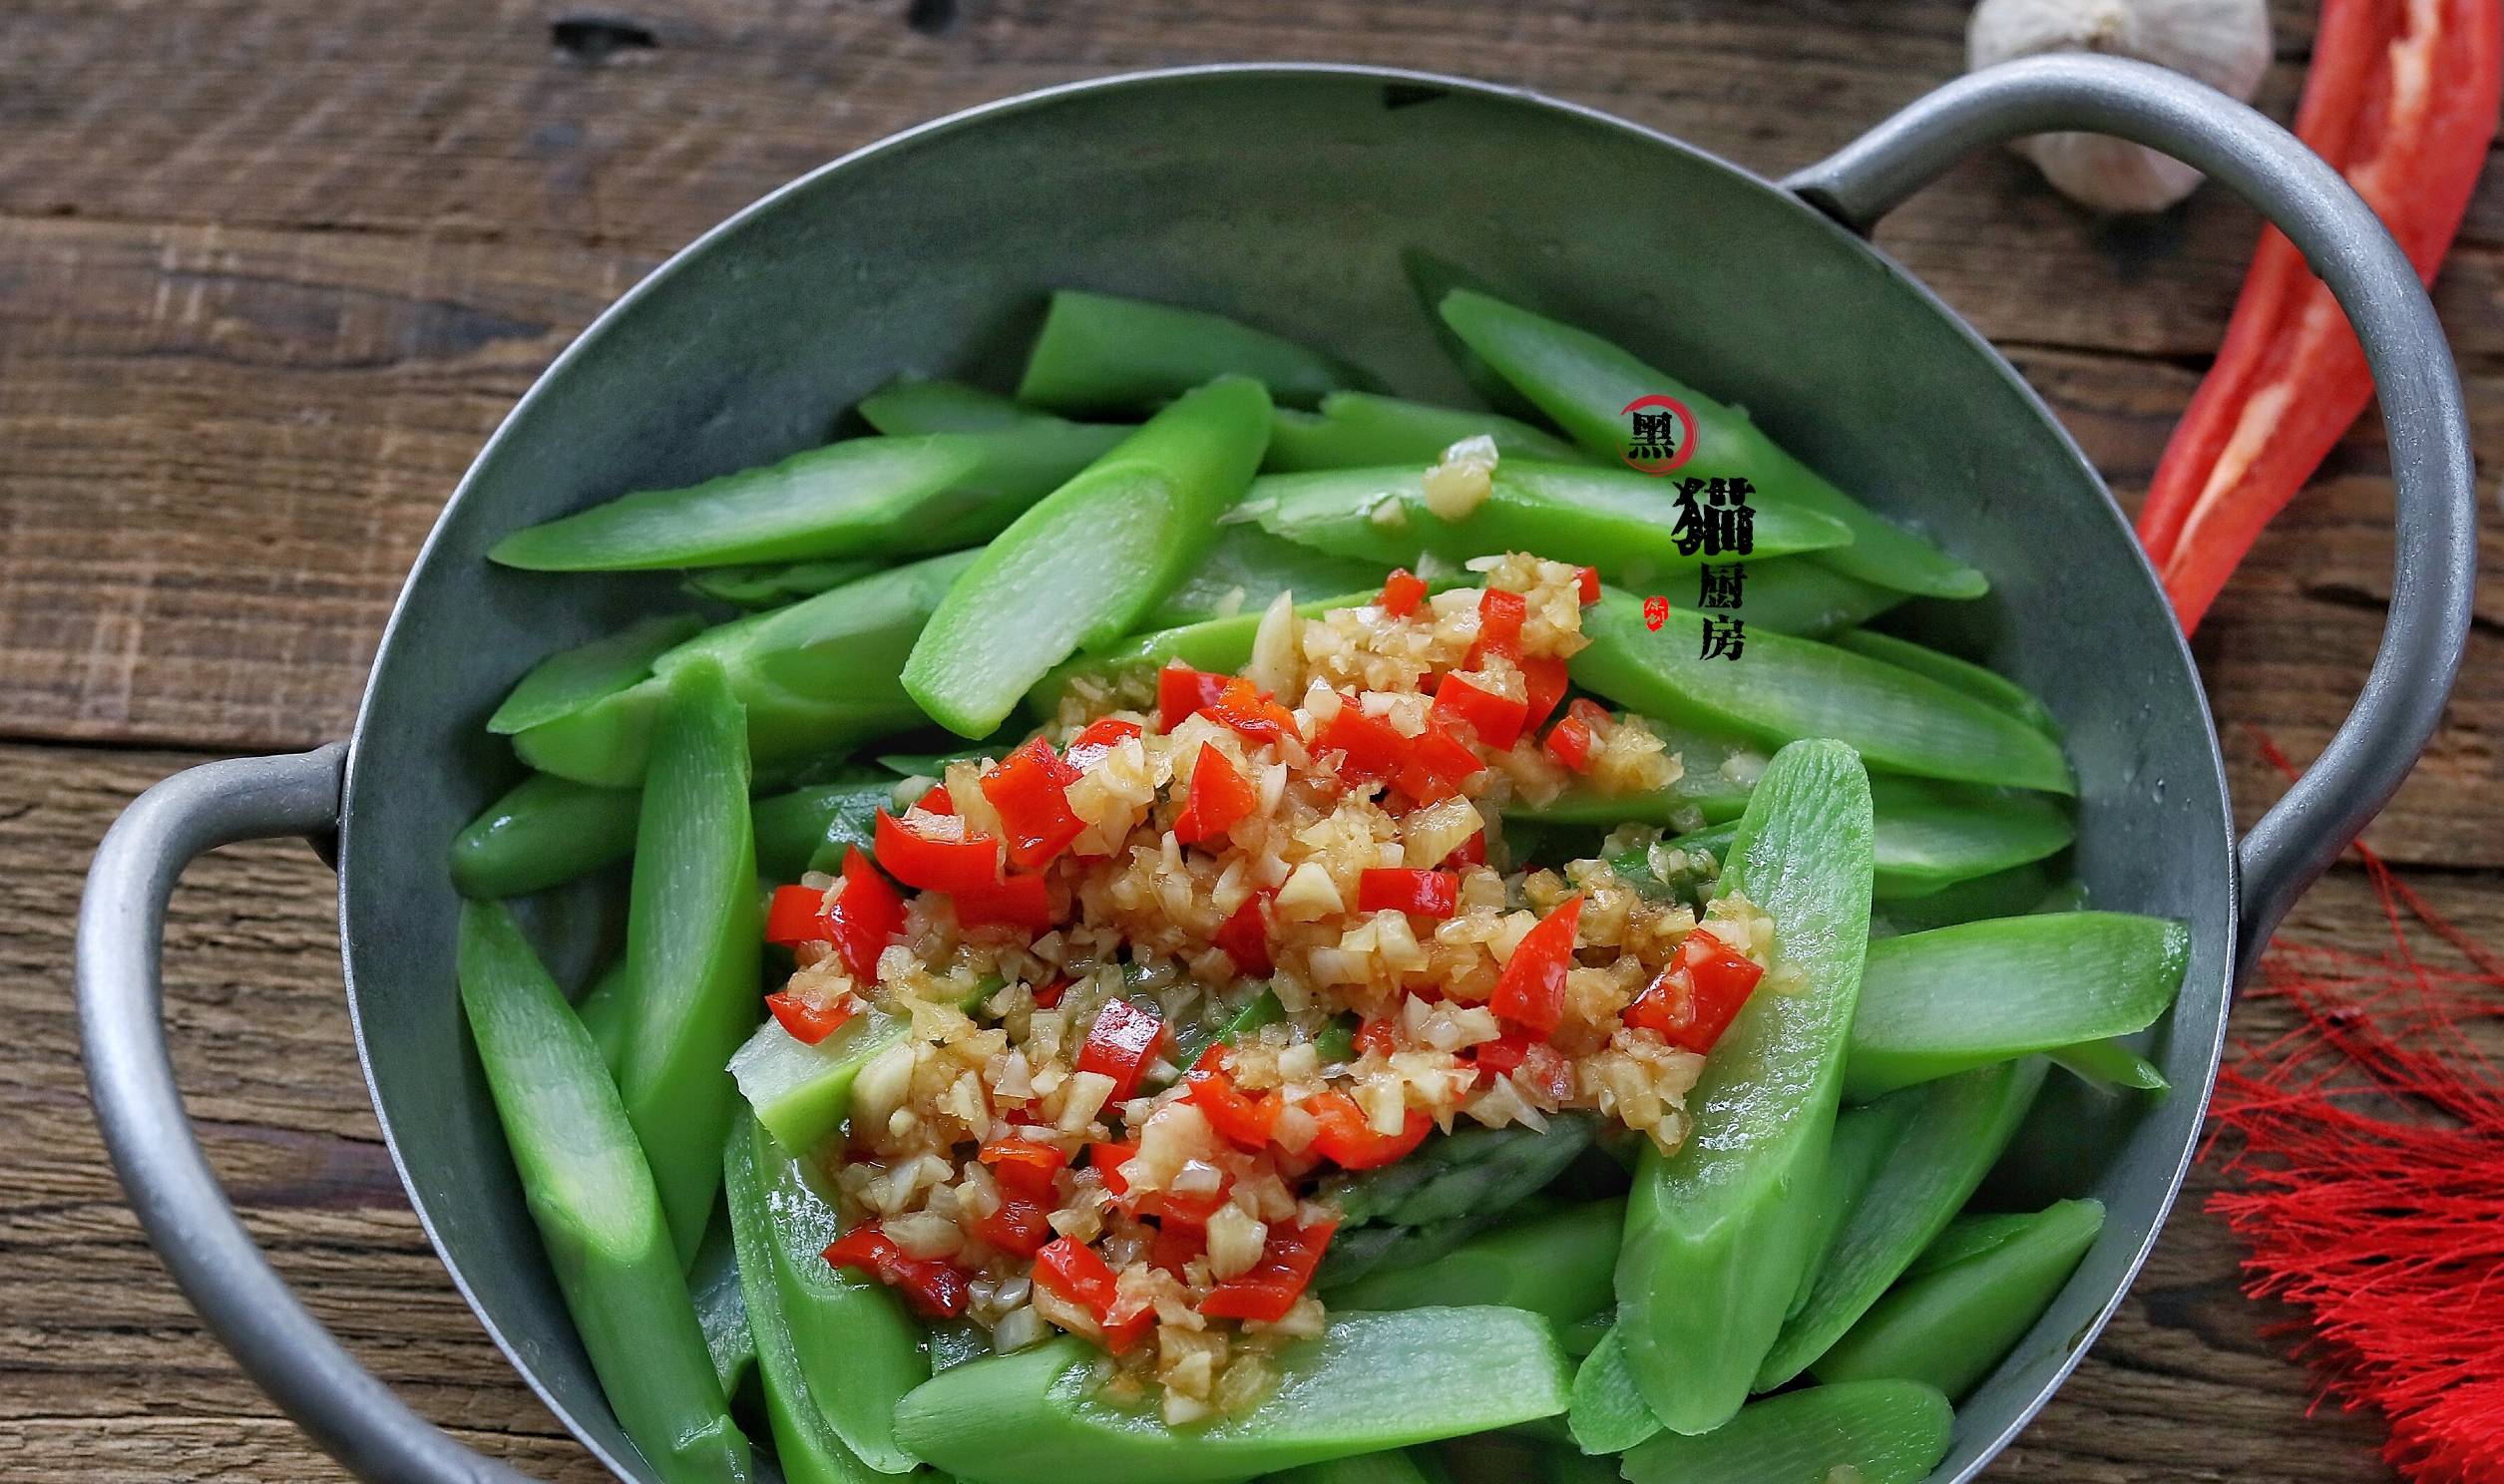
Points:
(2402, 99)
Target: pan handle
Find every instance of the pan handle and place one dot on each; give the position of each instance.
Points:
(2434, 563)
(120, 999)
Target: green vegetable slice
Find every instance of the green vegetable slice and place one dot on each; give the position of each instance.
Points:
(1609, 1414)
(692, 944)
(591, 1196)
(602, 1012)
(1807, 598)
(910, 404)
(1100, 353)
(1783, 690)
(1360, 430)
(1718, 1236)
(1987, 686)
(543, 833)
(720, 1308)
(1584, 383)
(570, 680)
(1941, 1001)
(1934, 835)
(1388, 1467)
(1969, 1301)
(1372, 1381)
(838, 1351)
(1559, 1267)
(1955, 1130)
(1431, 278)
(2110, 1063)
(863, 496)
(1083, 565)
(1882, 1432)
(774, 583)
(1613, 518)
(1247, 567)
(2002, 894)
(808, 828)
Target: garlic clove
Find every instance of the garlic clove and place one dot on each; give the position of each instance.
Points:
(2222, 43)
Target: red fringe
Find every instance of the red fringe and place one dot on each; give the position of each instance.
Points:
(2370, 1145)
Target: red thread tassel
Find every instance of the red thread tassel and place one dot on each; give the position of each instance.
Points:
(2370, 1145)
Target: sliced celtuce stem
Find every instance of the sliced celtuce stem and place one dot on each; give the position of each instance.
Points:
(837, 1349)
(816, 677)
(1557, 1267)
(2002, 894)
(1872, 1432)
(1608, 1413)
(1246, 568)
(1431, 278)
(1083, 565)
(809, 828)
(1585, 384)
(1613, 519)
(1361, 429)
(591, 1196)
(1100, 353)
(692, 943)
(1718, 1235)
(1941, 1001)
(802, 1092)
(544, 832)
(720, 1308)
(1454, 1186)
(863, 496)
(1782, 689)
(1388, 1467)
(1955, 1130)
(1987, 686)
(2110, 1063)
(1804, 596)
(1219, 645)
(1964, 1305)
(1864, 1139)
(570, 680)
(1372, 1381)
(602, 1010)
(1934, 835)
(910, 404)
(775, 584)
(1717, 768)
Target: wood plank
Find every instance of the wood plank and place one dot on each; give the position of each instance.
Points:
(105, 1371)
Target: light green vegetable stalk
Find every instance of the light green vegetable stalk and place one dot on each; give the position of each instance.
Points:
(1372, 1381)
(592, 1195)
(1933, 836)
(1247, 567)
(720, 1308)
(1955, 997)
(1719, 1235)
(544, 832)
(1100, 353)
(1585, 384)
(1557, 1267)
(1608, 1413)
(1084, 564)
(570, 680)
(910, 404)
(1987, 686)
(1782, 689)
(692, 937)
(863, 496)
(1874, 1433)
(1971, 1298)
(771, 584)
(1953, 1134)
(1360, 430)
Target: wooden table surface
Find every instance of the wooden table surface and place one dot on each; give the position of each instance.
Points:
(270, 272)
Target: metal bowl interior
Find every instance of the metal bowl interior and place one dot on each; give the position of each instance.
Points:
(1283, 195)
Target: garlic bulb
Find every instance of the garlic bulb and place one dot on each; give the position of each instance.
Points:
(2222, 43)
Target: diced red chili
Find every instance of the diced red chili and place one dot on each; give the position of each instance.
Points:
(1049, 996)
(1020, 1225)
(1435, 765)
(1375, 1036)
(1273, 1284)
(1023, 1165)
(1692, 1002)
(1073, 1271)
(1504, 1054)
(1219, 798)
(1175, 1244)
(1027, 789)
(1018, 900)
(1251, 712)
(1425, 894)
(1570, 743)
(866, 916)
(1531, 990)
(1183, 690)
(1343, 1135)
(1245, 935)
(1545, 679)
(797, 915)
(1587, 584)
(1373, 747)
(1107, 1157)
(808, 1024)
(1402, 590)
(1497, 719)
(1500, 615)
(932, 1288)
(1244, 1121)
(1471, 851)
(1120, 1044)
(934, 863)
(1101, 736)
(936, 801)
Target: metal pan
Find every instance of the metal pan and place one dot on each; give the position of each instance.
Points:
(1283, 194)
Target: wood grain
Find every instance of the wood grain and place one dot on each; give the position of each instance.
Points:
(270, 272)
